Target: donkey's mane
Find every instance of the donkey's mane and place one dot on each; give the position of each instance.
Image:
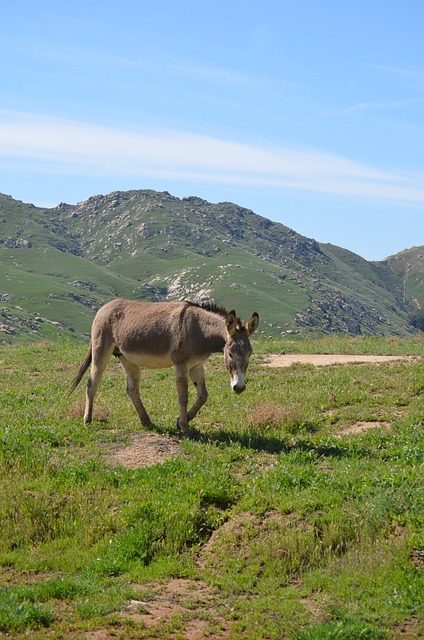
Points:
(212, 307)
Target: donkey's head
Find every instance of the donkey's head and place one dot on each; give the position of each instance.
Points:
(237, 348)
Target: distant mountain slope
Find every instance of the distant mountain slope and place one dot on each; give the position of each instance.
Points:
(408, 268)
(57, 266)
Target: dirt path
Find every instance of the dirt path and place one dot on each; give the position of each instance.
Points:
(320, 360)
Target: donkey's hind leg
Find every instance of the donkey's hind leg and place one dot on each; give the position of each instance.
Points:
(197, 376)
(132, 372)
(101, 355)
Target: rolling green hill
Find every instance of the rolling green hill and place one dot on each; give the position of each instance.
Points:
(57, 266)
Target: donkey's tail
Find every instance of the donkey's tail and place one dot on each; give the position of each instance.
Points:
(83, 369)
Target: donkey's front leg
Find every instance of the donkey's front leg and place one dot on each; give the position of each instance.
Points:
(182, 392)
(197, 375)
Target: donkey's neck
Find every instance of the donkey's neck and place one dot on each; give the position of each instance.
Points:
(215, 344)
(215, 333)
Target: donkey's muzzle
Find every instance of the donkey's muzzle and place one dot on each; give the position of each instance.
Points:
(238, 384)
(238, 389)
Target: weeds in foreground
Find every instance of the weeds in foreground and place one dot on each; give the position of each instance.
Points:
(293, 525)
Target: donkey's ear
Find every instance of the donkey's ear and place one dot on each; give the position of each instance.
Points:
(231, 322)
(252, 323)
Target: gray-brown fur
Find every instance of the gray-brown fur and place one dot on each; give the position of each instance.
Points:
(157, 335)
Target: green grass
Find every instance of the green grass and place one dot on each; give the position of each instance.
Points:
(293, 524)
(342, 343)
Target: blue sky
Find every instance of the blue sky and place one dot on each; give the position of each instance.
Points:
(311, 113)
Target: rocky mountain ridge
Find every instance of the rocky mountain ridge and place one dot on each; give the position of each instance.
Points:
(58, 265)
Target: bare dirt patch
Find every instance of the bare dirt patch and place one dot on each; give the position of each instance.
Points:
(145, 450)
(191, 600)
(409, 630)
(417, 558)
(324, 359)
(362, 427)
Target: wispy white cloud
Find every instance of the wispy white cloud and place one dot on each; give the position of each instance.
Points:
(214, 74)
(53, 145)
(376, 106)
(410, 74)
(154, 61)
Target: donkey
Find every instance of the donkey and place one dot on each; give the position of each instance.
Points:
(158, 335)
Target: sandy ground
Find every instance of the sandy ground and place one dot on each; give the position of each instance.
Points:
(319, 360)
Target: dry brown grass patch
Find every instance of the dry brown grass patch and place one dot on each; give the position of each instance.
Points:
(77, 411)
(271, 414)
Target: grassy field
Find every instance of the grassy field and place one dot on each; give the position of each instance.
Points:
(296, 512)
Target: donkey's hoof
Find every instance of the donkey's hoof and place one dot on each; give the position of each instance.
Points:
(186, 432)
(181, 428)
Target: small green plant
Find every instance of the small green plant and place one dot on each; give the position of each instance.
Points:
(341, 631)
(18, 613)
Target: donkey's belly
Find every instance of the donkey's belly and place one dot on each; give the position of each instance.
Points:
(149, 360)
